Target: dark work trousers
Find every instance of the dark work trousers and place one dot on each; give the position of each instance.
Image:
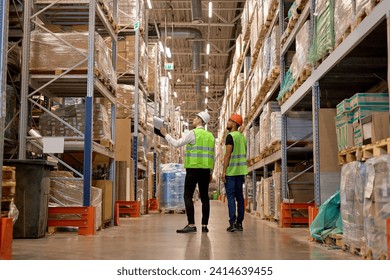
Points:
(201, 177)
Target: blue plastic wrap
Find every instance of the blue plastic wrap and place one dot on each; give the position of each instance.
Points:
(172, 186)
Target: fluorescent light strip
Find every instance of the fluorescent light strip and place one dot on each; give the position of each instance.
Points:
(210, 9)
(169, 75)
(206, 74)
(175, 94)
(208, 48)
(207, 88)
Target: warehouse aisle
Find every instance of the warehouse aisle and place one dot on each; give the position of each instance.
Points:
(154, 237)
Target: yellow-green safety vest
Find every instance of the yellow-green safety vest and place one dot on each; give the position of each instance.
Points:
(200, 154)
(238, 163)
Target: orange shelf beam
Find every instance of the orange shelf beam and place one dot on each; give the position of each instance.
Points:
(6, 238)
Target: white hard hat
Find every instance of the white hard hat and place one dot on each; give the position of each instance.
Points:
(204, 116)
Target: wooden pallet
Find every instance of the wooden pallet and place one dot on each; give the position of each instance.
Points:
(335, 240)
(346, 33)
(369, 256)
(373, 150)
(358, 251)
(172, 211)
(108, 143)
(350, 155)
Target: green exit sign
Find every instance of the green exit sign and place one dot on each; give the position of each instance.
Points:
(168, 66)
(136, 25)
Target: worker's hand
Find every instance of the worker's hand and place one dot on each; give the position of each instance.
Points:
(163, 131)
(223, 177)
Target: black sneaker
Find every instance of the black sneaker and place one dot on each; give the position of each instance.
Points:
(239, 227)
(231, 228)
(205, 229)
(186, 229)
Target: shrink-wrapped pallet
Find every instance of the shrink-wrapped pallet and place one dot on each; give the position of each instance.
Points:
(277, 181)
(302, 50)
(260, 198)
(268, 196)
(172, 190)
(323, 41)
(49, 54)
(125, 103)
(377, 205)
(274, 51)
(127, 13)
(352, 183)
(74, 115)
(343, 17)
(276, 127)
(69, 193)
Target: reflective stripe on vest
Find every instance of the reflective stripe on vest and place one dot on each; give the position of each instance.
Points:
(201, 154)
(238, 163)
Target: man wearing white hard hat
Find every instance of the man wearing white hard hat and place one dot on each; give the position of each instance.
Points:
(198, 162)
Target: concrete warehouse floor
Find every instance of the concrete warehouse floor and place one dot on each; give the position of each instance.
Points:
(154, 237)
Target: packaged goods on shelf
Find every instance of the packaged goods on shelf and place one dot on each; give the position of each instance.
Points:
(274, 52)
(369, 100)
(276, 127)
(153, 63)
(260, 198)
(323, 41)
(126, 56)
(364, 5)
(277, 181)
(48, 54)
(127, 13)
(172, 186)
(257, 142)
(343, 107)
(268, 197)
(75, 116)
(65, 192)
(376, 127)
(265, 124)
(287, 82)
(247, 14)
(255, 27)
(302, 42)
(353, 176)
(268, 8)
(344, 130)
(125, 103)
(377, 205)
(251, 141)
(343, 18)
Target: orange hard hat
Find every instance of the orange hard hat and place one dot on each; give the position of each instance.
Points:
(236, 118)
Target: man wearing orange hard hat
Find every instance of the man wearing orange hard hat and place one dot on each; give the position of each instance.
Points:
(235, 167)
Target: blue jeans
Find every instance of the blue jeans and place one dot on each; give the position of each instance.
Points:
(233, 187)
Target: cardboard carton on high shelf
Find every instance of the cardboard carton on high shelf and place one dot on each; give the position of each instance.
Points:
(361, 112)
(369, 100)
(375, 127)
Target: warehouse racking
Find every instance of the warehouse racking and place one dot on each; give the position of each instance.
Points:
(361, 51)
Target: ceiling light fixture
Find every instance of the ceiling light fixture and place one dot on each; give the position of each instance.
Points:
(206, 74)
(208, 48)
(210, 9)
(175, 94)
(169, 75)
(207, 88)
(150, 4)
(206, 100)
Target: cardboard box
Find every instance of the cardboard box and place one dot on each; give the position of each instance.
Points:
(345, 138)
(107, 200)
(343, 107)
(123, 140)
(328, 141)
(376, 127)
(369, 99)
